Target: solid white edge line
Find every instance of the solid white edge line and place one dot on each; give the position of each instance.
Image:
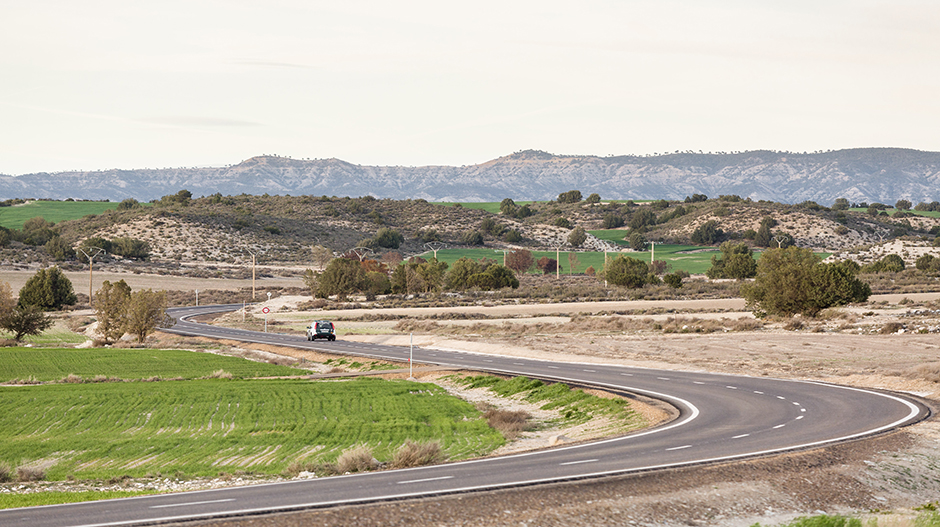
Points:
(190, 503)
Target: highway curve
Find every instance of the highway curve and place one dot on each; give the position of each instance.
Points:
(721, 417)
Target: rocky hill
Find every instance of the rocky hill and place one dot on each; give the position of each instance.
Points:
(861, 175)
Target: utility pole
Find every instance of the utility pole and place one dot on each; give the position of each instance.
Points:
(252, 274)
(434, 247)
(557, 244)
(90, 253)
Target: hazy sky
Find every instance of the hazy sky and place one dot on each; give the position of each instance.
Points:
(124, 84)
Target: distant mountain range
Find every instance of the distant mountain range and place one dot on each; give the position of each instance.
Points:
(864, 174)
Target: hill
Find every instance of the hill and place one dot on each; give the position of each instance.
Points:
(868, 174)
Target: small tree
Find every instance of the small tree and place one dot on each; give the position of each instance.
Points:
(341, 277)
(388, 238)
(573, 263)
(111, 302)
(48, 289)
(627, 272)
(577, 237)
(673, 280)
(459, 274)
(736, 262)
(793, 280)
(494, 277)
(593, 198)
(146, 311)
(637, 241)
(520, 260)
(572, 196)
(320, 256)
(902, 204)
(26, 320)
(707, 233)
(311, 281)
(547, 265)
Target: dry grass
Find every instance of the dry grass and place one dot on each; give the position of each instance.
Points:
(72, 379)
(6, 472)
(356, 459)
(891, 327)
(219, 374)
(510, 423)
(412, 454)
(928, 372)
(30, 474)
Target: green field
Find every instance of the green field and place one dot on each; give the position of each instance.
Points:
(492, 206)
(677, 256)
(55, 211)
(128, 364)
(891, 212)
(203, 427)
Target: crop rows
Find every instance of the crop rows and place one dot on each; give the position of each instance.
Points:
(204, 427)
(128, 364)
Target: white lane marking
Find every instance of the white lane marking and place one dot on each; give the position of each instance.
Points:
(799, 417)
(590, 371)
(782, 398)
(802, 409)
(740, 436)
(487, 360)
(627, 374)
(779, 426)
(679, 447)
(663, 378)
(577, 462)
(731, 387)
(518, 364)
(554, 367)
(758, 393)
(190, 503)
(698, 382)
(425, 479)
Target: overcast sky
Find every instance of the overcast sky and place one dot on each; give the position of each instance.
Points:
(122, 84)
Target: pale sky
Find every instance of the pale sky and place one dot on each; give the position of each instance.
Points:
(98, 84)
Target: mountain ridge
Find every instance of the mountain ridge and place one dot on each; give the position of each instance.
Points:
(859, 174)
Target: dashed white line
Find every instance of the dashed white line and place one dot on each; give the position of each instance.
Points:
(782, 398)
(553, 367)
(577, 462)
(518, 364)
(423, 480)
(758, 393)
(663, 378)
(190, 503)
(627, 374)
(590, 371)
(679, 447)
(779, 426)
(799, 417)
(740, 436)
(731, 387)
(698, 382)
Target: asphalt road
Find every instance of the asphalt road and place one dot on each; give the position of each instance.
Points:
(721, 417)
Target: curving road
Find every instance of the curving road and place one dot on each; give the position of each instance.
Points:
(721, 417)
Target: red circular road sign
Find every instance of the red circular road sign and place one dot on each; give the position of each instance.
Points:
(266, 310)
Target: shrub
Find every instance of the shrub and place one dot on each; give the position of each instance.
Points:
(572, 196)
(520, 260)
(562, 222)
(577, 237)
(6, 472)
(30, 474)
(508, 422)
(673, 280)
(413, 454)
(793, 280)
(612, 221)
(356, 459)
(512, 236)
(471, 238)
(627, 272)
(48, 289)
(707, 233)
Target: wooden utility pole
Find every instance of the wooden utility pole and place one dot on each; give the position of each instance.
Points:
(90, 253)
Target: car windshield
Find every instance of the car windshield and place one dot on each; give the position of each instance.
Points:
(324, 325)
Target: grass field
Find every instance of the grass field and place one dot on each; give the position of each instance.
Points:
(891, 212)
(204, 427)
(492, 206)
(128, 364)
(54, 211)
(676, 255)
